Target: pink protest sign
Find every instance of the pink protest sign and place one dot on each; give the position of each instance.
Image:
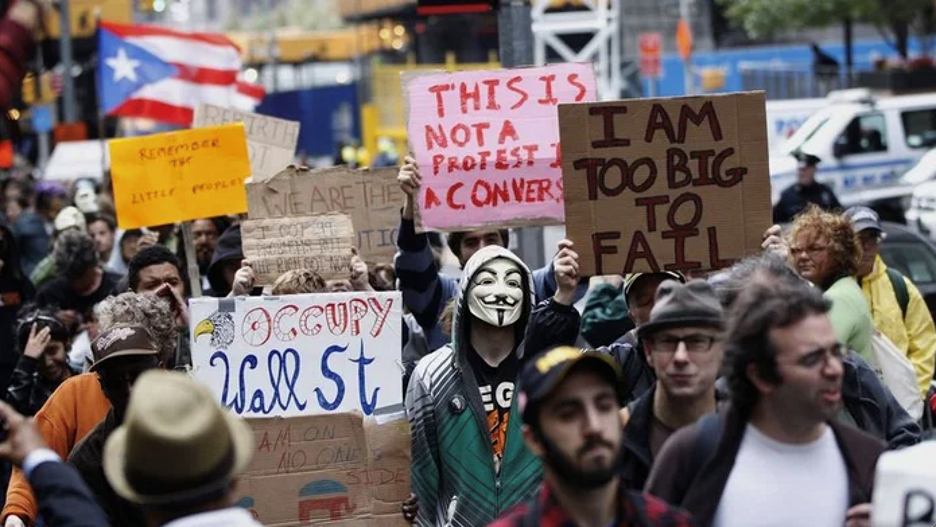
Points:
(487, 144)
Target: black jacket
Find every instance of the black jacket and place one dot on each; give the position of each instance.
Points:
(638, 458)
(88, 458)
(15, 291)
(797, 197)
(553, 324)
(230, 248)
(64, 499)
(28, 390)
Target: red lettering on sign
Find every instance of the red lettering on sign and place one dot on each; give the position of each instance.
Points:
(600, 249)
(434, 137)
(438, 90)
(582, 91)
(686, 197)
(651, 202)
(548, 98)
(450, 198)
(640, 249)
(507, 131)
(660, 120)
(714, 260)
(465, 96)
(511, 85)
(492, 85)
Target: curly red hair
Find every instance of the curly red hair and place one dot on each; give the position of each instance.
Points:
(844, 245)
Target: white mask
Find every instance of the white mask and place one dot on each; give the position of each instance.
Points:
(495, 295)
(86, 199)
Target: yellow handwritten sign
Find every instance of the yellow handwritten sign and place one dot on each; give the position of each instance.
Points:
(180, 176)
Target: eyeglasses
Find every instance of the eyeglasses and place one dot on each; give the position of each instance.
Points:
(810, 251)
(819, 357)
(693, 343)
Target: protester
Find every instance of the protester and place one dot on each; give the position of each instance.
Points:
(42, 341)
(205, 234)
(15, 292)
(806, 191)
(121, 354)
(33, 228)
(569, 404)
(178, 454)
(298, 282)
(785, 371)
(82, 282)
(426, 291)
(156, 270)
(79, 404)
(604, 318)
(103, 229)
(557, 322)
(18, 27)
(65, 499)
(824, 249)
(126, 248)
(18, 195)
(68, 219)
(868, 404)
(358, 279)
(382, 277)
(471, 477)
(897, 307)
(225, 262)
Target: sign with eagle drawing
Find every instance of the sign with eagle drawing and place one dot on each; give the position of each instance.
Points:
(302, 354)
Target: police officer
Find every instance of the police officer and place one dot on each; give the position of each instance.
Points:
(806, 190)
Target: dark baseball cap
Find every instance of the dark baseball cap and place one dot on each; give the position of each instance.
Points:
(122, 341)
(631, 279)
(543, 374)
(863, 219)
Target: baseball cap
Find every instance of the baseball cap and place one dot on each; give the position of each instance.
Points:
(70, 218)
(541, 376)
(863, 219)
(122, 341)
(632, 278)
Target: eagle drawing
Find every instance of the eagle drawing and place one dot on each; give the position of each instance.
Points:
(220, 326)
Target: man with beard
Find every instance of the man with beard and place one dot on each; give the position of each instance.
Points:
(569, 403)
(206, 233)
(785, 373)
(469, 462)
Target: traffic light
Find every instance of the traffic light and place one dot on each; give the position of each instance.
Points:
(456, 7)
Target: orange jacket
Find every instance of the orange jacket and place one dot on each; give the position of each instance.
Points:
(76, 407)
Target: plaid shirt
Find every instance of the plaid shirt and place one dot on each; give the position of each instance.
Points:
(634, 510)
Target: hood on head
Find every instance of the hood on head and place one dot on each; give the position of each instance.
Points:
(460, 323)
(230, 247)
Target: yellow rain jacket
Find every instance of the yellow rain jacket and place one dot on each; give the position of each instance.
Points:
(915, 335)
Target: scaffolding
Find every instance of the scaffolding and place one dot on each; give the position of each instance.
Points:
(601, 19)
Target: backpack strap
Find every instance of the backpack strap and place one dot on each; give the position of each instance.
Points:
(900, 289)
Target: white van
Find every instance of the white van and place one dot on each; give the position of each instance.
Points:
(784, 118)
(864, 143)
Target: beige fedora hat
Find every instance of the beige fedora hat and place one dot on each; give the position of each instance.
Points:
(177, 443)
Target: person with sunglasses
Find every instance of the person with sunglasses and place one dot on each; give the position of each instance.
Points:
(776, 456)
(683, 344)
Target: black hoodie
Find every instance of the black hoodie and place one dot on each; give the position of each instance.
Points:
(230, 248)
(15, 291)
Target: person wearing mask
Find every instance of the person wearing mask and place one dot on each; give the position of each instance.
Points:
(15, 292)
(470, 478)
(785, 371)
(868, 404)
(43, 364)
(570, 404)
(426, 291)
(79, 404)
(897, 307)
(121, 354)
(69, 219)
(825, 250)
(33, 229)
(806, 191)
(103, 229)
(82, 283)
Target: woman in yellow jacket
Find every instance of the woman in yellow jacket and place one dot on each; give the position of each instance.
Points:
(913, 333)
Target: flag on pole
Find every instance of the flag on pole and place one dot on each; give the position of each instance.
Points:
(163, 74)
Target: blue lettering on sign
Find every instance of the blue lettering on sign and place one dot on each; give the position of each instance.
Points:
(281, 377)
(367, 407)
(329, 374)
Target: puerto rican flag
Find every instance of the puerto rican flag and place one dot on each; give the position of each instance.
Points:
(163, 74)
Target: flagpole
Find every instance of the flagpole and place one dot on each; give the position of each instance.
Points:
(97, 91)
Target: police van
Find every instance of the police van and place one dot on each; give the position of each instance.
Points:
(865, 143)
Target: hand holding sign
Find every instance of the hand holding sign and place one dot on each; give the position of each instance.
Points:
(566, 267)
(409, 181)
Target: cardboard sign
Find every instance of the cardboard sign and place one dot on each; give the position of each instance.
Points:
(321, 243)
(301, 354)
(371, 197)
(905, 488)
(487, 144)
(271, 142)
(677, 184)
(330, 469)
(179, 176)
